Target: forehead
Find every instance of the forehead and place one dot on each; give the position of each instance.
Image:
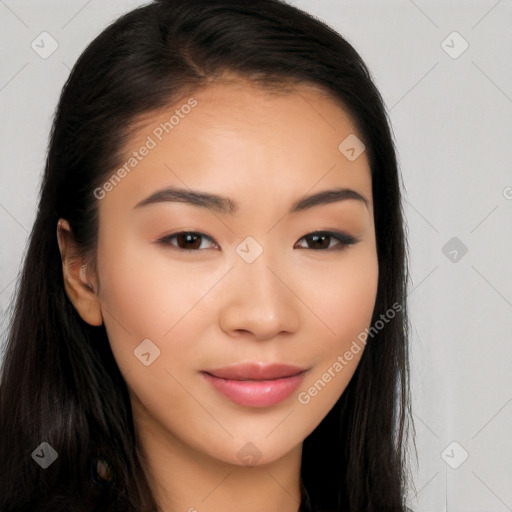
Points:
(245, 138)
(238, 105)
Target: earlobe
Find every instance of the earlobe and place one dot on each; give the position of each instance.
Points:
(80, 288)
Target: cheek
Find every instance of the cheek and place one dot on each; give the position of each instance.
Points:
(145, 295)
(144, 298)
(343, 298)
(139, 287)
(136, 303)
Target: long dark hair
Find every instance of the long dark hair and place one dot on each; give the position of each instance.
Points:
(60, 383)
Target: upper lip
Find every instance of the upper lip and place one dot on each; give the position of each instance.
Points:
(256, 371)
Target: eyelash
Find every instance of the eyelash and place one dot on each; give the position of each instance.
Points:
(343, 239)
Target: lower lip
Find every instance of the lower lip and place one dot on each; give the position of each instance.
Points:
(256, 393)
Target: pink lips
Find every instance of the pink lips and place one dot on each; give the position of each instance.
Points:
(256, 384)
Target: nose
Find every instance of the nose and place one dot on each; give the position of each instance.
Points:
(258, 301)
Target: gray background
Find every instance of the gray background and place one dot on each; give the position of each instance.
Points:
(451, 113)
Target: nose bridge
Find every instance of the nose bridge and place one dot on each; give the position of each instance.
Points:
(258, 301)
(261, 280)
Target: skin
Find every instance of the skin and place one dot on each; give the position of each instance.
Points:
(210, 308)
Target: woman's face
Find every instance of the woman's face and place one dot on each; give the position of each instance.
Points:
(253, 283)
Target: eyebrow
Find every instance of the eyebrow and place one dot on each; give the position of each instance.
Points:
(226, 205)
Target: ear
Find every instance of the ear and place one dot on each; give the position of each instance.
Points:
(79, 284)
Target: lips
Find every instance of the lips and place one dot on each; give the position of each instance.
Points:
(256, 384)
(256, 371)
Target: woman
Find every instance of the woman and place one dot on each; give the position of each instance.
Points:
(212, 311)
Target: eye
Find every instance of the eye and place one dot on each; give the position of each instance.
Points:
(319, 240)
(187, 241)
(322, 240)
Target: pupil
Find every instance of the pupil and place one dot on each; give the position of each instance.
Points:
(189, 239)
(318, 239)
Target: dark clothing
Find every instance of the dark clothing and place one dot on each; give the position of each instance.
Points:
(305, 503)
